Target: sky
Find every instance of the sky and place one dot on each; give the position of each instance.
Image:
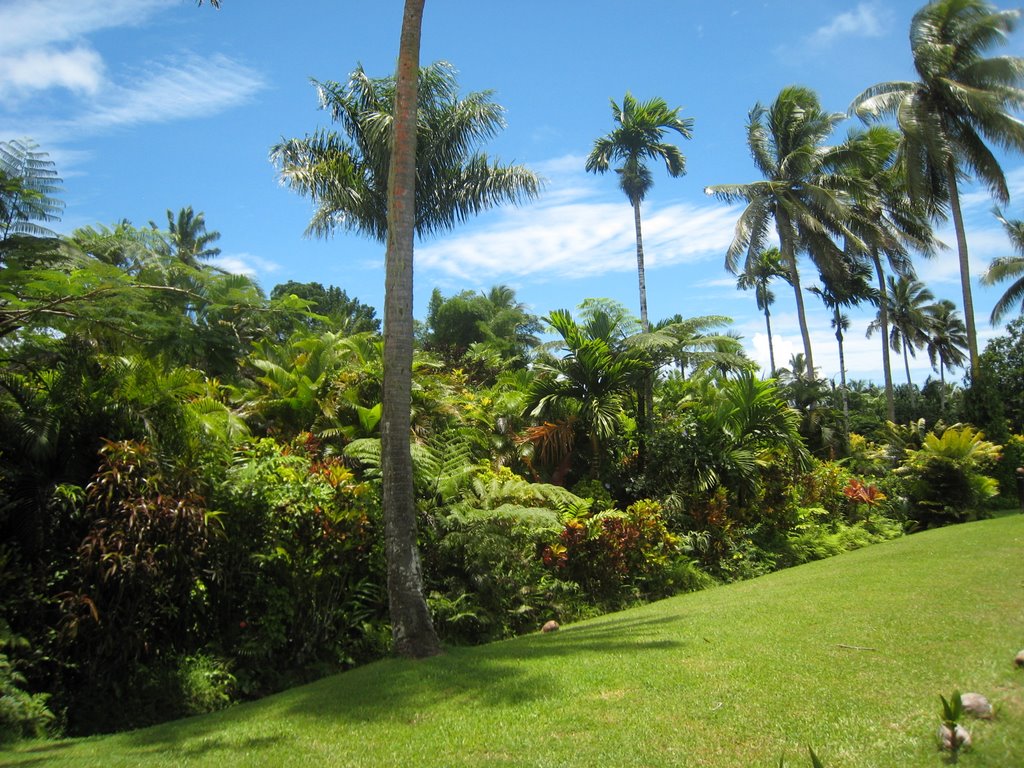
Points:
(147, 106)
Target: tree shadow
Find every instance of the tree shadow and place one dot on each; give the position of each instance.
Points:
(500, 674)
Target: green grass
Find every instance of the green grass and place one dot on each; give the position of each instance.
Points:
(731, 677)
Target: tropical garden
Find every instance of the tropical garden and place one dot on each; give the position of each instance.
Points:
(209, 493)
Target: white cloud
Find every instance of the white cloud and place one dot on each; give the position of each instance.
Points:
(36, 24)
(582, 239)
(246, 264)
(196, 87)
(866, 20)
(80, 69)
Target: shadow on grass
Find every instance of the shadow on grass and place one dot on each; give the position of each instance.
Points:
(502, 674)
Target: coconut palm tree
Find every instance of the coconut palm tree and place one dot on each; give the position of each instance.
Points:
(1006, 268)
(962, 102)
(758, 272)
(187, 238)
(638, 136)
(946, 340)
(908, 301)
(801, 191)
(888, 221)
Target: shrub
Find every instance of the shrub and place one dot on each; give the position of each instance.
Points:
(945, 480)
(22, 714)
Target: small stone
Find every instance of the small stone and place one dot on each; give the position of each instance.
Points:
(958, 737)
(977, 705)
(551, 626)
(1019, 661)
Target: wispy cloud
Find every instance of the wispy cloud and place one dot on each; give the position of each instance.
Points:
(246, 264)
(866, 20)
(46, 46)
(577, 238)
(194, 87)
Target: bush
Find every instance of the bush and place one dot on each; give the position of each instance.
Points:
(945, 481)
(22, 714)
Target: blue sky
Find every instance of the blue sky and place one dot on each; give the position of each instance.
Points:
(149, 105)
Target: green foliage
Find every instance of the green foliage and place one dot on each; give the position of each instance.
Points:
(946, 480)
(205, 682)
(332, 310)
(22, 714)
(301, 565)
(620, 557)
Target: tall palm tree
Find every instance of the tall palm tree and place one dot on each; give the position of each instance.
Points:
(406, 165)
(758, 272)
(888, 220)
(801, 190)
(412, 629)
(844, 288)
(346, 174)
(962, 102)
(1005, 268)
(946, 340)
(908, 299)
(638, 136)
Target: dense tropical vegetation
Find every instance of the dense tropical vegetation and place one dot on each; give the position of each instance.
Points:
(208, 493)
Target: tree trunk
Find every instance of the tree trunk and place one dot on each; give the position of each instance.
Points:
(771, 349)
(965, 268)
(411, 627)
(646, 412)
(789, 258)
(883, 315)
(906, 364)
(842, 380)
(644, 324)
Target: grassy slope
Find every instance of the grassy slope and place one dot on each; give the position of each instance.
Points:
(733, 676)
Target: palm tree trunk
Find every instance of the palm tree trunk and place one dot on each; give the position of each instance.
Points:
(789, 259)
(842, 379)
(906, 364)
(965, 268)
(771, 348)
(411, 627)
(883, 316)
(647, 385)
(640, 267)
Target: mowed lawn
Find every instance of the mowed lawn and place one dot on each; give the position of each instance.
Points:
(848, 655)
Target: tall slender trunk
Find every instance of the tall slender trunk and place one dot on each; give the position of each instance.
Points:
(965, 268)
(842, 378)
(883, 316)
(647, 384)
(789, 258)
(942, 386)
(640, 267)
(906, 364)
(411, 627)
(771, 348)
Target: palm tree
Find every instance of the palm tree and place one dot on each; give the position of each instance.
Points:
(801, 190)
(907, 300)
(406, 165)
(961, 101)
(590, 385)
(758, 272)
(638, 136)
(946, 340)
(188, 241)
(1007, 267)
(844, 288)
(411, 627)
(888, 221)
(345, 174)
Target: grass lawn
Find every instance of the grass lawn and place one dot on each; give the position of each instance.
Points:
(848, 655)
